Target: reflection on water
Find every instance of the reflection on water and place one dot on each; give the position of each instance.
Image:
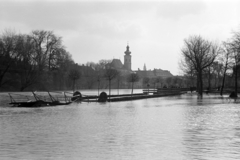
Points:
(169, 128)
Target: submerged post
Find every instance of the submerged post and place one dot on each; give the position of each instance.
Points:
(148, 88)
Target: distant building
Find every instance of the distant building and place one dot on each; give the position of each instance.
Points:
(154, 73)
(126, 68)
(117, 64)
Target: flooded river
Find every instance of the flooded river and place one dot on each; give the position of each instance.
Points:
(170, 128)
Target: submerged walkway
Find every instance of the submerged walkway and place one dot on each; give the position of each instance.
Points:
(149, 93)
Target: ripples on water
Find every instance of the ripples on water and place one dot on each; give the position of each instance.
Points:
(170, 128)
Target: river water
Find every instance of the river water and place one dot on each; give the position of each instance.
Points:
(168, 128)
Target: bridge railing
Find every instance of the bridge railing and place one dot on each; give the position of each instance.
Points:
(165, 90)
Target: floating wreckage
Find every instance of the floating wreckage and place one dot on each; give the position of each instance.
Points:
(43, 100)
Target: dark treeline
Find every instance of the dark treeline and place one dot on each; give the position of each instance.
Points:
(33, 61)
(39, 61)
(207, 65)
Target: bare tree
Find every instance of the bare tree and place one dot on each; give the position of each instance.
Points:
(226, 61)
(146, 81)
(28, 73)
(177, 81)
(235, 49)
(159, 80)
(209, 71)
(63, 65)
(46, 44)
(74, 75)
(188, 71)
(104, 64)
(154, 81)
(90, 80)
(200, 54)
(119, 81)
(8, 54)
(98, 82)
(169, 81)
(133, 77)
(217, 68)
(110, 74)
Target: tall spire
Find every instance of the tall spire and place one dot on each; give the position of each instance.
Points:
(127, 59)
(127, 52)
(144, 67)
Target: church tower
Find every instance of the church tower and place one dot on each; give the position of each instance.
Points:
(127, 59)
(144, 67)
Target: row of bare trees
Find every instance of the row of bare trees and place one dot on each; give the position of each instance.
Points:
(165, 82)
(37, 58)
(39, 61)
(107, 73)
(205, 60)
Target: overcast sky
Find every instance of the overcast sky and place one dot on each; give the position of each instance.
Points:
(95, 29)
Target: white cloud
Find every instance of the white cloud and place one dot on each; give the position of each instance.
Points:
(178, 9)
